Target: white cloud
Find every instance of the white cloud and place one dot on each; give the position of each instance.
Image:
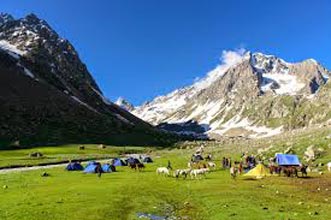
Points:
(231, 57)
(228, 59)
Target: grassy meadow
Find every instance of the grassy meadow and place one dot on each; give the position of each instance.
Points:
(121, 195)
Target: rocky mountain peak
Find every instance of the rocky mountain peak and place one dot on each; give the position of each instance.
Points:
(124, 104)
(268, 63)
(5, 17)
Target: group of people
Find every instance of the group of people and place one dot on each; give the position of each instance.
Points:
(226, 162)
(246, 163)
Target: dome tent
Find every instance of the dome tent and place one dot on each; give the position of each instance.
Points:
(90, 168)
(73, 166)
(258, 172)
(147, 160)
(118, 162)
(107, 168)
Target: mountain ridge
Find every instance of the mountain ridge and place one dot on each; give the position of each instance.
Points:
(49, 96)
(224, 100)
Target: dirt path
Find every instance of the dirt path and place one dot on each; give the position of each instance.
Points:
(22, 169)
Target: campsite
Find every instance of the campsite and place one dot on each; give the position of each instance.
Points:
(126, 193)
(165, 110)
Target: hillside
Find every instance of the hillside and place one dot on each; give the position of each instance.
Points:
(48, 96)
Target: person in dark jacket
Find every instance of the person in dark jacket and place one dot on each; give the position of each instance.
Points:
(98, 170)
(169, 165)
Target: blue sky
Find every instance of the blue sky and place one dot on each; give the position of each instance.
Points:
(139, 49)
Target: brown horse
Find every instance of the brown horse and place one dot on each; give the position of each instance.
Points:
(303, 170)
(137, 166)
(290, 171)
(140, 166)
(274, 169)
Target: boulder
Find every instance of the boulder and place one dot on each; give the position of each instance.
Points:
(102, 146)
(309, 154)
(35, 154)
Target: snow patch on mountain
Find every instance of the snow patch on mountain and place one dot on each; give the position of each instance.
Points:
(11, 49)
(237, 122)
(281, 83)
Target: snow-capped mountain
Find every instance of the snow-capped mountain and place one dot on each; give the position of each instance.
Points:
(47, 93)
(248, 94)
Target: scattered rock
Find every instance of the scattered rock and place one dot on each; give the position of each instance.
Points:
(45, 174)
(35, 154)
(300, 203)
(102, 146)
(5, 187)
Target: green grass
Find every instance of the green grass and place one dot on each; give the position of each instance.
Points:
(61, 153)
(120, 195)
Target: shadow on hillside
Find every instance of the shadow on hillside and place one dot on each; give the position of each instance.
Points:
(189, 129)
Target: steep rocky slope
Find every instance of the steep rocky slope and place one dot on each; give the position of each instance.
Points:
(47, 95)
(249, 94)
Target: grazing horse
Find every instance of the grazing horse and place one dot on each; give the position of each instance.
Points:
(182, 172)
(303, 170)
(163, 170)
(274, 169)
(198, 172)
(133, 166)
(140, 166)
(290, 171)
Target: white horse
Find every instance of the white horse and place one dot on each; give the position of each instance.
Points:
(163, 170)
(329, 166)
(182, 172)
(198, 172)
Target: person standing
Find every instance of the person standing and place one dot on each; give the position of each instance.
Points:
(98, 170)
(169, 165)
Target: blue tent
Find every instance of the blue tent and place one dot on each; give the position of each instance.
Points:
(74, 166)
(106, 168)
(287, 160)
(147, 160)
(90, 168)
(118, 162)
